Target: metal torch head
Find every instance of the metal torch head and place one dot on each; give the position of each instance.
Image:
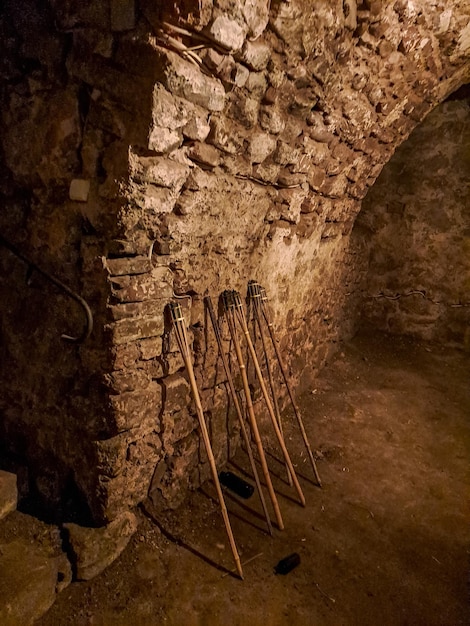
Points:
(254, 289)
(237, 301)
(227, 300)
(176, 312)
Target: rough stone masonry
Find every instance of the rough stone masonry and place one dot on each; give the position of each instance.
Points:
(158, 147)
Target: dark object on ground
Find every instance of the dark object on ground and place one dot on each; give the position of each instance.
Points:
(236, 484)
(287, 564)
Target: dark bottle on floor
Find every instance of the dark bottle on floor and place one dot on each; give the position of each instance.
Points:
(287, 564)
(236, 484)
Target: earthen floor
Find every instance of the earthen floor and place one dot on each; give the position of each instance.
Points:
(386, 541)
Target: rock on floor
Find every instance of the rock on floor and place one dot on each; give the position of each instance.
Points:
(93, 549)
(29, 582)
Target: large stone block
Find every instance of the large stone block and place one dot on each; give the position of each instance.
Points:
(150, 348)
(140, 446)
(227, 32)
(127, 380)
(244, 110)
(154, 201)
(158, 171)
(187, 81)
(129, 487)
(111, 455)
(163, 139)
(286, 154)
(317, 152)
(292, 200)
(256, 15)
(197, 128)
(169, 115)
(128, 265)
(261, 146)
(132, 329)
(226, 135)
(256, 55)
(137, 409)
(156, 285)
(124, 356)
(94, 549)
(272, 120)
(149, 309)
(169, 111)
(173, 485)
(205, 154)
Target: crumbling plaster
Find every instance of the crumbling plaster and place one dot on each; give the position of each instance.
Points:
(247, 157)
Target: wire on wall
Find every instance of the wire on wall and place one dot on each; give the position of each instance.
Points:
(418, 292)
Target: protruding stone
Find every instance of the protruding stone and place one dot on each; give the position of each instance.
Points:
(285, 154)
(136, 310)
(128, 266)
(127, 380)
(309, 205)
(197, 129)
(240, 75)
(176, 426)
(187, 81)
(224, 136)
(156, 285)
(227, 32)
(94, 549)
(205, 154)
(126, 330)
(163, 139)
(257, 84)
(79, 190)
(150, 348)
(158, 171)
(261, 146)
(169, 116)
(267, 172)
(245, 110)
(318, 152)
(272, 120)
(256, 55)
(291, 203)
(256, 16)
(8, 493)
(186, 203)
(168, 111)
(156, 200)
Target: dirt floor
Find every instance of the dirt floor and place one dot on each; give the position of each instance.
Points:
(385, 542)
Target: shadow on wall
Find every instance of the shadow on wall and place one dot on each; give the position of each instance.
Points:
(414, 228)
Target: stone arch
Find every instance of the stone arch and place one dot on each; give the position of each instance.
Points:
(414, 224)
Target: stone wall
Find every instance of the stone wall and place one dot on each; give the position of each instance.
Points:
(151, 148)
(416, 220)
